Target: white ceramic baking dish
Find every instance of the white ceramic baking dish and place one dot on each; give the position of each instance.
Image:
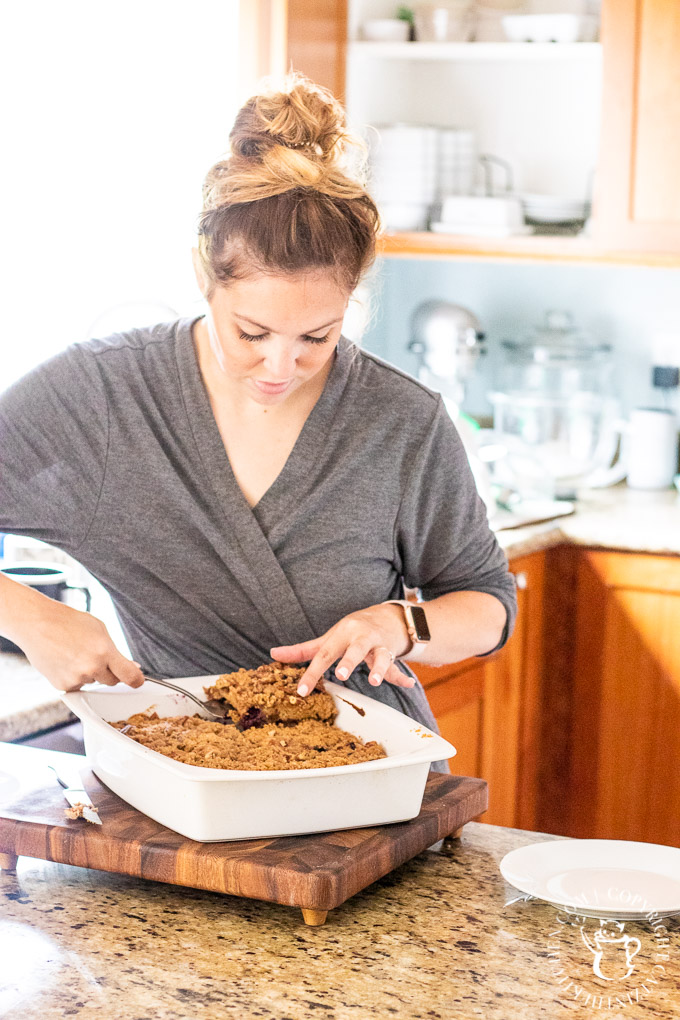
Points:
(219, 804)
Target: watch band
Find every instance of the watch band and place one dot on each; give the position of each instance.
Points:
(416, 624)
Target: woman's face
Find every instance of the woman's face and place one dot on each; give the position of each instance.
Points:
(270, 335)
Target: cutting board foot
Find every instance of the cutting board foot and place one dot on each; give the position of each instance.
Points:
(458, 833)
(8, 862)
(314, 917)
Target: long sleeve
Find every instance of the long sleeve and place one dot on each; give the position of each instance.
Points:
(53, 447)
(442, 536)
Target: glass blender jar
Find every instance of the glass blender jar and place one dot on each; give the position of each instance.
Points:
(555, 415)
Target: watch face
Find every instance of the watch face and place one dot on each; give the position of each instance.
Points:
(420, 623)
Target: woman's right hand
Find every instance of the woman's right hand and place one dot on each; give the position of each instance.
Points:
(71, 648)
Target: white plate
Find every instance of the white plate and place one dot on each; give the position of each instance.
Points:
(604, 878)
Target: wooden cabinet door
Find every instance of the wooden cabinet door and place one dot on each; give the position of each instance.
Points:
(625, 774)
(457, 704)
(317, 41)
(637, 189)
(489, 708)
(511, 731)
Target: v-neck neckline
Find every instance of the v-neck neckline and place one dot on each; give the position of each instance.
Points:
(285, 487)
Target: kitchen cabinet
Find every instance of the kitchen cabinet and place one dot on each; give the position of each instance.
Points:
(575, 724)
(317, 41)
(489, 708)
(624, 775)
(636, 204)
(637, 188)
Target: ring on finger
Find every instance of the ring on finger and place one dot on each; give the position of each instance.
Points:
(377, 675)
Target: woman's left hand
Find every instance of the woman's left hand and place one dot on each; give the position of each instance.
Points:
(376, 636)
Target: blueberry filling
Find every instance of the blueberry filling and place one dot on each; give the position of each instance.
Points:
(253, 717)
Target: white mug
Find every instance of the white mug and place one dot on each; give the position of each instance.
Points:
(651, 448)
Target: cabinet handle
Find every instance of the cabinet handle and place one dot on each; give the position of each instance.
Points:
(521, 580)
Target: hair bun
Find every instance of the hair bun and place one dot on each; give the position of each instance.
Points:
(296, 114)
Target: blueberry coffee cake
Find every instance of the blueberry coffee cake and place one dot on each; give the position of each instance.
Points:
(268, 694)
(275, 728)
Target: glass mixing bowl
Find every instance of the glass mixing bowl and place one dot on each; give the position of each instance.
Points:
(554, 412)
(553, 446)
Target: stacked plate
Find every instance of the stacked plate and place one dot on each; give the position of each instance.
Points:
(605, 878)
(457, 163)
(404, 174)
(553, 209)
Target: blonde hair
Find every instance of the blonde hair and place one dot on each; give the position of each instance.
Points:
(289, 196)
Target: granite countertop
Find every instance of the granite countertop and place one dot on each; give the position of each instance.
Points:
(29, 702)
(441, 938)
(615, 518)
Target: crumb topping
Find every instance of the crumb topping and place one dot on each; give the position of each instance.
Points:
(254, 697)
(307, 744)
(275, 727)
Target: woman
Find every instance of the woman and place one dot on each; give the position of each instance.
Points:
(248, 483)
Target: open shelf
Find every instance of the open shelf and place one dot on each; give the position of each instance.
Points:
(532, 248)
(476, 51)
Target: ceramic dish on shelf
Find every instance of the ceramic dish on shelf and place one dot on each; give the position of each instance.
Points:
(385, 30)
(219, 804)
(603, 878)
(551, 209)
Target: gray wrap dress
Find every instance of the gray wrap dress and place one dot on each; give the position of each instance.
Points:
(110, 451)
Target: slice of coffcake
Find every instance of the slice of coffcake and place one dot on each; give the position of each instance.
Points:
(268, 694)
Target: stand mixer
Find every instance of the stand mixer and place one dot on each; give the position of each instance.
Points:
(448, 341)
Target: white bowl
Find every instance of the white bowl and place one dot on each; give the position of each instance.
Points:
(552, 208)
(386, 30)
(219, 804)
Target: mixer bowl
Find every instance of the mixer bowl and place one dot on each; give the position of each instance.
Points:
(554, 444)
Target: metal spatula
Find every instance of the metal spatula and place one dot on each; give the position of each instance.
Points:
(218, 712)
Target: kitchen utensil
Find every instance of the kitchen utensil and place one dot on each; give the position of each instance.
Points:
(448, 341)
(48, 578)
(604, 878)
(316, 872)
(651, 448)
(554, 446)
(76, 796)
(216, 804)
(215, 711)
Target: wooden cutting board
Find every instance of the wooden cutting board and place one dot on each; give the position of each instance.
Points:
(315, 872)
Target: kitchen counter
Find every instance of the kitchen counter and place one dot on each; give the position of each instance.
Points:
(441, 938)
(29, 702)
(616, 518)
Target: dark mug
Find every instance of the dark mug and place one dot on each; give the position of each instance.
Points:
(48, 578)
